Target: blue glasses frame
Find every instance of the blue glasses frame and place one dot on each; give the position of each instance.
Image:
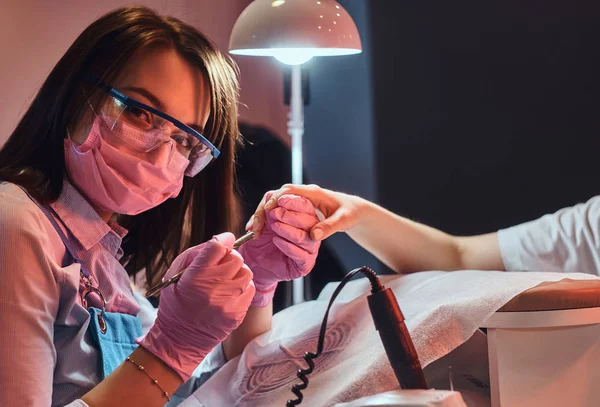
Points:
(127, 101)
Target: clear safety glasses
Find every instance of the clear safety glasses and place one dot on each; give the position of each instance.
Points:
(125, 115)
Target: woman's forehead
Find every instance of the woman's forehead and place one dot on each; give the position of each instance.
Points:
(161, 77)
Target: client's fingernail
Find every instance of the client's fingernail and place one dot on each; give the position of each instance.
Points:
(250, 223)
(255, 224)
(270, 204)
(317, 234)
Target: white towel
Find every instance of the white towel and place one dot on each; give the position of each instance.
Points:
(442, 311)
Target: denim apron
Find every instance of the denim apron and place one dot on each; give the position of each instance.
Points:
(113, 333)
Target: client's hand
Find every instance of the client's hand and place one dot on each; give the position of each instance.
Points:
(198, 312)
(341, 212)
(283, 251)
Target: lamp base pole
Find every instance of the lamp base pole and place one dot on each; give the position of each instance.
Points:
(296, 131)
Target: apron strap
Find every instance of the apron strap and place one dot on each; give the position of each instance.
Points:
(86, 286)
(63, 237)
(113, 333)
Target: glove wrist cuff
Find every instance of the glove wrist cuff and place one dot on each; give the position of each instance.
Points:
(182, 359)
(263, 295)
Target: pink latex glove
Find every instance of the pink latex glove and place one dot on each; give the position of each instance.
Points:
(284, 250)
(198, 312)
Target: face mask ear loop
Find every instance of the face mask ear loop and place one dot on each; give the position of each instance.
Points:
(87, 98)
(89, 104)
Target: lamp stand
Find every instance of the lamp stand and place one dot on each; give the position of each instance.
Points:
(296, 131)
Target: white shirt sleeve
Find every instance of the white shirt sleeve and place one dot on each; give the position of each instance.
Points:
(566, 241)
(29, 303)
(147, 313)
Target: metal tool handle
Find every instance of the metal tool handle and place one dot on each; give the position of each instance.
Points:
(160, 286)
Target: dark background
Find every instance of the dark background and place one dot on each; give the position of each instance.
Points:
(467, 116)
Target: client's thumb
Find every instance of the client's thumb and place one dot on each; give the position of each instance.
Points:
(327, 227)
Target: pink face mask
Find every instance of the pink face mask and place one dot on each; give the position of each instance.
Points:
(117, 181)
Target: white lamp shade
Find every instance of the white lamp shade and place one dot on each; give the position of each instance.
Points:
(294, 31)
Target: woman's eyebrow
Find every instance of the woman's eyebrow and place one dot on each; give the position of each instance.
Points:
(147, 94)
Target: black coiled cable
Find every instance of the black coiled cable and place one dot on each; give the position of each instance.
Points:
(309, 356)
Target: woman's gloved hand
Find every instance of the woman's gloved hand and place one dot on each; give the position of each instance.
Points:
(341, 212)
(283, 250)
(198, 312)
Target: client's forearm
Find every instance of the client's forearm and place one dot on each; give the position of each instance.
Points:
(407, 246)
(257, 322)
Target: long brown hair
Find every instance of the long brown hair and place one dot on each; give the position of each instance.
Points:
(33, 156)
